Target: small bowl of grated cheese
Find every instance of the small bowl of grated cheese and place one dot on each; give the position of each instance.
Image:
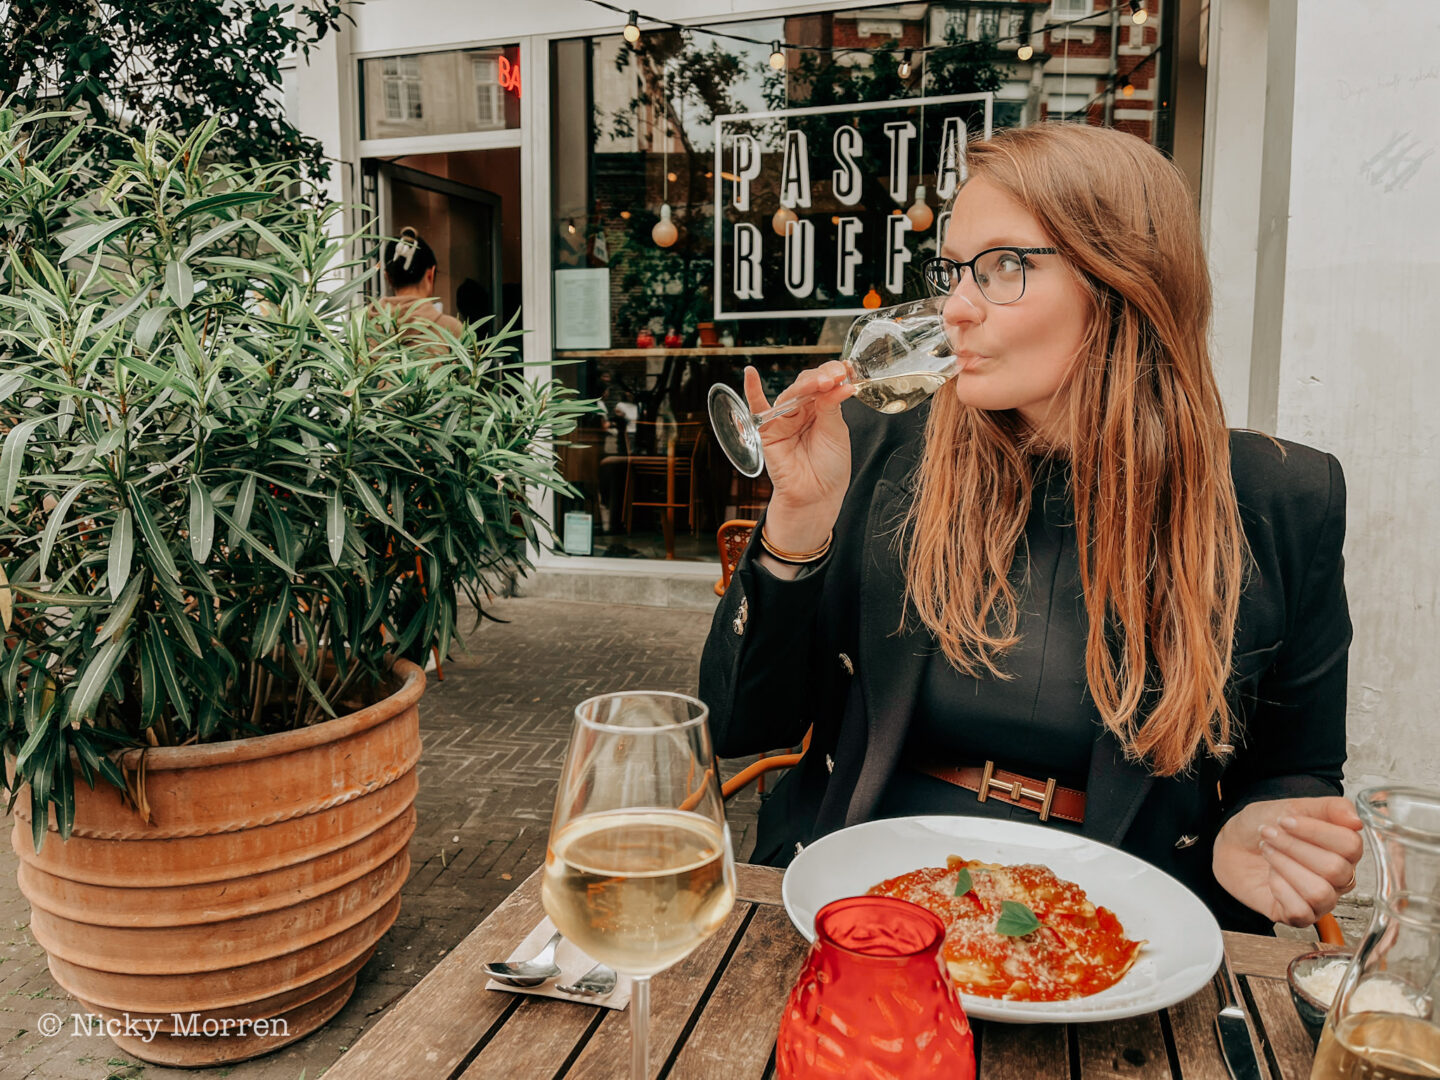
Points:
(1314, 979)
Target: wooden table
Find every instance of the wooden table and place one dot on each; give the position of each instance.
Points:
(717, 1013)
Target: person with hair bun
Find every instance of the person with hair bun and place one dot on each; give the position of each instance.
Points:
(1064, 569)
(410, 266)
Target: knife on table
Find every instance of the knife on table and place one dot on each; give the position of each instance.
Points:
(1232, 1030)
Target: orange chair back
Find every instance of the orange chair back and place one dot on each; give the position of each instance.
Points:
(733, 538)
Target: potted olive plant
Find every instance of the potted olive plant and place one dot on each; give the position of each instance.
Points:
(237, 505)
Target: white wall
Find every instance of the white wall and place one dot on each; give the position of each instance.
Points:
(1347, 341)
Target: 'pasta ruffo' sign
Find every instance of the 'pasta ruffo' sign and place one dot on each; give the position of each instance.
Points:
(846, 174)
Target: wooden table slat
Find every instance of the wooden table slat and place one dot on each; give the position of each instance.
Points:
(1288, 1041)
(535, 1041)
(674, 995)
(1023, 1052)
(758, 884)
(434, 1027)
(1134, 1047)
(1197, 1048)
(1266, 957)
(736, 1032)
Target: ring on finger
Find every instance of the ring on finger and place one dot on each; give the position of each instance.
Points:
(1343, 889)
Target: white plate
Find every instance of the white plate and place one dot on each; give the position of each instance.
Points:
(1183, 947)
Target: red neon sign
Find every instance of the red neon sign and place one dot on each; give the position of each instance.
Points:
(510, 76)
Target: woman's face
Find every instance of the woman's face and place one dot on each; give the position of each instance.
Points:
(1014, 356)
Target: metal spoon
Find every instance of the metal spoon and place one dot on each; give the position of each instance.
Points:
(530, 972)
(599, 981)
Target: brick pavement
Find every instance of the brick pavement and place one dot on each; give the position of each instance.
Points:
(494, 735)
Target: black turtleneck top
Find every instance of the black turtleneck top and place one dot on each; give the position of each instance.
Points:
(1040, 722)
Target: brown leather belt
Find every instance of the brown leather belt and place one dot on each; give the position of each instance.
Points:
(1043, 797)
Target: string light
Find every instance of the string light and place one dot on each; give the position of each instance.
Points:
(872, 299)
(777, 58)
(780, 46)
(570, 226)
(1025, 52)
(905, 64)
(920, 214)
(782, 218)
(1138, 12)
(1128, 89)
(632, 28)
(664, 233)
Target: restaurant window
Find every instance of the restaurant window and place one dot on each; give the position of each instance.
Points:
(440, 93)
(654, 300)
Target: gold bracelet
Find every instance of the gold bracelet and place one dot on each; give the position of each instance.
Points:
(795, 558)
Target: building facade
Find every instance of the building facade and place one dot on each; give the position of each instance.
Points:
(588, 186)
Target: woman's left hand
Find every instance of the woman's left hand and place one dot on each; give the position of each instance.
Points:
(1290, 859)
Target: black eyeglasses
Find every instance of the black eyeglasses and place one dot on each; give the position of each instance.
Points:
(999, 272)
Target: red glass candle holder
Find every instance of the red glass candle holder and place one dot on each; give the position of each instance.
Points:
(874, 999)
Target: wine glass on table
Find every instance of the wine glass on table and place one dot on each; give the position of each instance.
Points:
(895, 357)
(639, 869)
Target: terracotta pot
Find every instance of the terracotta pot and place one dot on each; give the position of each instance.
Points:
(708, 337)
(269, 871)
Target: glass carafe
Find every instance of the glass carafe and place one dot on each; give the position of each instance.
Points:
(1384, 1023)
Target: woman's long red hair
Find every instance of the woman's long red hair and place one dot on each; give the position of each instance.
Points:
(1161, 549)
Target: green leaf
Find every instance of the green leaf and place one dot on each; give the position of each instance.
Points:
(56, 522)
(335, 525)
(1016, 919)
(963, 884)
(150, 324)
(122, 550)
(13, 457)
(156, 549)
(208, 237)
(152, 690)
(202, 521)
(92, 679)
(179, 284)
(244, 503)
(220, 202)
(119, 617)
(163, 658)
(95, 234)
(272, 622)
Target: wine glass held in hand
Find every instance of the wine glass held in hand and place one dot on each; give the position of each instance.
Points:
(894, 357)
(639, 869)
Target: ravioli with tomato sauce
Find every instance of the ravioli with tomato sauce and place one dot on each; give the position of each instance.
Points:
(1078, 948)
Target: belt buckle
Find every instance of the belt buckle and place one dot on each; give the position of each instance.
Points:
(1015, 791)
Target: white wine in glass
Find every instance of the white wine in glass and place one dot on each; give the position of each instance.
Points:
(639, 869)
(895, 357)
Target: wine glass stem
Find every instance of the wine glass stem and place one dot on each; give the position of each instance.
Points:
(640, 1028)
(762, 418)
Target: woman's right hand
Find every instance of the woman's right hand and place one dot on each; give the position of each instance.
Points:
(807, 455)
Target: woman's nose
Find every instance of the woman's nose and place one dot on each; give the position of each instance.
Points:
(959, 309)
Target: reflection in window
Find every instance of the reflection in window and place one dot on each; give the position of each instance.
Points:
(402, 88)
(1073, 8)
(489, 100)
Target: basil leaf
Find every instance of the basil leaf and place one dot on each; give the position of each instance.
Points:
(963, 884)
(1016, 920)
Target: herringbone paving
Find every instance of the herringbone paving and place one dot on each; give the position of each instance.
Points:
(494, 735)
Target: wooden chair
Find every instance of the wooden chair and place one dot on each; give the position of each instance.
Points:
(733, 538)
(675, 466)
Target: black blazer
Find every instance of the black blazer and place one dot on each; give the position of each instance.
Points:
(823, 651)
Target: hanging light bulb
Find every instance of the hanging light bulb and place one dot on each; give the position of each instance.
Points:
(777, 58)
(1128, 89)
(783, 217)
(1138, 12)
(664, 233)
(905, 63)
(632, 28)
(570, 226)
(1026, 51)
(919, 213)
(872, 299)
